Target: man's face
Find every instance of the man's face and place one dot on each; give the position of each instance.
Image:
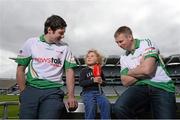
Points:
(124, 41)
(56, 35)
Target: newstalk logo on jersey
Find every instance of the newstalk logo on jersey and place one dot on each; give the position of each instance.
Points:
(52, 61)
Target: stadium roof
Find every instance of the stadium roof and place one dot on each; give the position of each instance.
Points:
(6, 83)
(172, 60)
(112, 60)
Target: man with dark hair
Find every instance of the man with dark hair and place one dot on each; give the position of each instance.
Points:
(143, 71)
(54, 22)
(46, 56)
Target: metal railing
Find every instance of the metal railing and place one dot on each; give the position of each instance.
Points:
(5, 107)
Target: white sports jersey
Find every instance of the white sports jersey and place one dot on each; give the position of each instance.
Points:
(145, 48)
(46, 62)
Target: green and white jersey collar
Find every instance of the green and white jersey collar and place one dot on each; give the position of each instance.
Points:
(136, 46)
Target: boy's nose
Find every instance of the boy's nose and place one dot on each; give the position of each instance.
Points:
(62, 36)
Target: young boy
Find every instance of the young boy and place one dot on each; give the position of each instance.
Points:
(92, 94)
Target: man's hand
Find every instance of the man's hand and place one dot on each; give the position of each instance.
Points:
(128, 80)
(72, 103)
(22, 88)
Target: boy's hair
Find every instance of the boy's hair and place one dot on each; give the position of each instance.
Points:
(100, 58)
(54, 22)
(123, 29)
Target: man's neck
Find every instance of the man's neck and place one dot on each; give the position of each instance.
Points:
(48, 39)
(132, 46)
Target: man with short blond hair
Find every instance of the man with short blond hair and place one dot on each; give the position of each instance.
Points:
(143, 71)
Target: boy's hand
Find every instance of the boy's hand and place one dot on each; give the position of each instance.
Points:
(98, 80)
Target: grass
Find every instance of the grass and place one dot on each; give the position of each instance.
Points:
(9, 98)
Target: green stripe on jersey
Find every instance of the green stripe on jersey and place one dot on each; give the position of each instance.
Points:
(43, 83)
(23, 60)
(137, 43)
(124, 71)
(32, 71)
(40, 83)
(162, 64)
(169, 86)
(69, 65)
(155, 55)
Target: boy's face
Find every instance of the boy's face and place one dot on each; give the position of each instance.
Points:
(124, 41)
(91, 59)
(56, 35)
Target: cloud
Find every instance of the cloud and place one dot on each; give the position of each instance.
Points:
(91, 23)
(8, 67)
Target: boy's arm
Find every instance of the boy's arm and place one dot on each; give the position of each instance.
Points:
(83, 82)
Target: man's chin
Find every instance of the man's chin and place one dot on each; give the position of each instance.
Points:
(58, 41)
(124, 48)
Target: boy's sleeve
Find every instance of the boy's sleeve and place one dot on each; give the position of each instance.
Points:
(69, 60)
(24, 55)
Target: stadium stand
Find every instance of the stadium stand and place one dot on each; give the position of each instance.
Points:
(112, 60)
(6, 85)
(111, 69)
(173, 66)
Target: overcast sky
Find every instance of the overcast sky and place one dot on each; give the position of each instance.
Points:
(91, 24)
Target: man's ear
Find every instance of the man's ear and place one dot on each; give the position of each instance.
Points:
(130, 37)
(49, 30)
